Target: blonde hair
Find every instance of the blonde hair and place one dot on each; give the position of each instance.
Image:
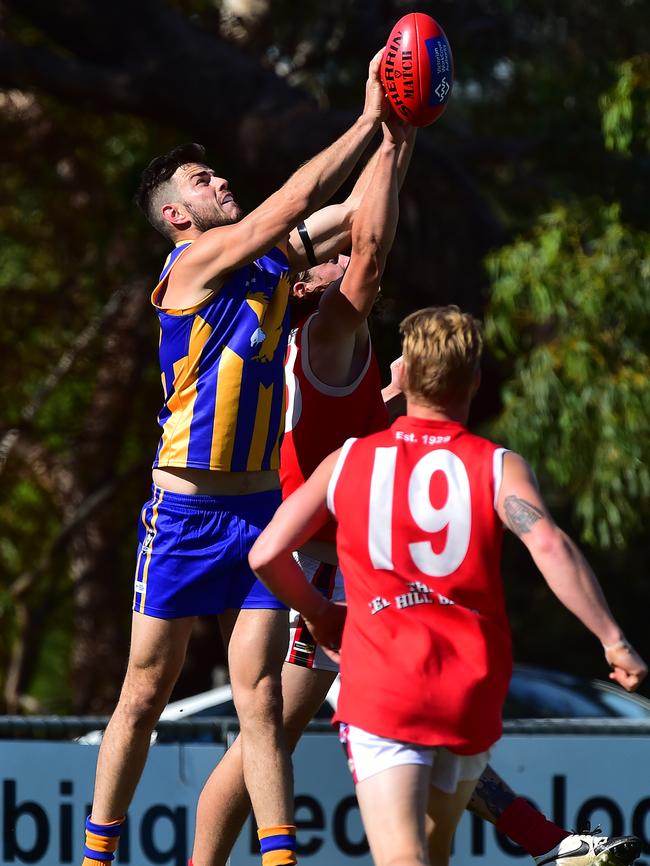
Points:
(441, 348)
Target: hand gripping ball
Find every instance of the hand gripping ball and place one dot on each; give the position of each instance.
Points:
(417, 69)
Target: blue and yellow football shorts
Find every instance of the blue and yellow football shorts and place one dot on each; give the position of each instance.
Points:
(193, 554)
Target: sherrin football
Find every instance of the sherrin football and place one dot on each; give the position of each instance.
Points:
(417, 69)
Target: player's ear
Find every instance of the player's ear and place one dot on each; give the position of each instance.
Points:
(299, 289)
(173, 214)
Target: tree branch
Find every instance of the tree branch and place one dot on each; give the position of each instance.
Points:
(90, 505)
(26, 68)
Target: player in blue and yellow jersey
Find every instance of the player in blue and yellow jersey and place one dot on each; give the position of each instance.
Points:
(222, 304)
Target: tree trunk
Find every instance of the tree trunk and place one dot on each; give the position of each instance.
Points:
(99, 586)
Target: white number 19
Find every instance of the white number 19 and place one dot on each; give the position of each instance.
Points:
(455, 515)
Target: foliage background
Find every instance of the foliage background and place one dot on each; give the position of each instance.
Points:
(526, 203)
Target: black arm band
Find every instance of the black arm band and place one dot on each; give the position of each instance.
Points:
(306, 242)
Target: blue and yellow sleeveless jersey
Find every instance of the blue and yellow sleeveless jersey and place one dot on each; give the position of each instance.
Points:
(222, 370)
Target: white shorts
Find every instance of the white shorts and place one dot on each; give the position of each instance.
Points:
(369, 754)
(303, 650)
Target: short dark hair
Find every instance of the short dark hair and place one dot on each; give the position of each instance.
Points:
(159, 171)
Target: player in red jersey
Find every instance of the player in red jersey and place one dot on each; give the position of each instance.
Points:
(420, 509)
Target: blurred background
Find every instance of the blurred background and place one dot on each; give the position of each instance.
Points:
(526, 203)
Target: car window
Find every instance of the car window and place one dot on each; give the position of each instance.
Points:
(529, 699)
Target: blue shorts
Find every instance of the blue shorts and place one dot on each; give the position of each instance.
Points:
(193, 554)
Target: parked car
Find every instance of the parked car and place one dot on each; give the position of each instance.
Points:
(219, 703)
(535, 693)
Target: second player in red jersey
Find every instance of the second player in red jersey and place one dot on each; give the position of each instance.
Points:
(321, 415)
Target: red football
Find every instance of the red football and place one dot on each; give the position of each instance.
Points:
(417, 69)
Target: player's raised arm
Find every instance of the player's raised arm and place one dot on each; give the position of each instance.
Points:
(327, 232)
(344, 309)
(563, 566)
(225, 248)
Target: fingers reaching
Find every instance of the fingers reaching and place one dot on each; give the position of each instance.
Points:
(376, 104)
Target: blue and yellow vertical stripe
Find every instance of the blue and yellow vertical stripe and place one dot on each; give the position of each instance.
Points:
(222, 369)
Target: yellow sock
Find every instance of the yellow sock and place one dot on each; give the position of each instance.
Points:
(278, 845)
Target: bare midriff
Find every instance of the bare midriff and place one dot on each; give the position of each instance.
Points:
(205, 482)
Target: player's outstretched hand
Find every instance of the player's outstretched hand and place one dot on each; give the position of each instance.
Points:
(376, 104)
(327, 629)
(628, 668)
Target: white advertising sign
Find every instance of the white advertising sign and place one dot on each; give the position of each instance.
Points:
(46, 788)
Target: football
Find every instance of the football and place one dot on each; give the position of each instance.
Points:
(417, 69)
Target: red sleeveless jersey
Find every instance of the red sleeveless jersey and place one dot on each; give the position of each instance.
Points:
(319, 417)
(426, 653)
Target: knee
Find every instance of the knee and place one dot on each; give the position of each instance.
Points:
(142, 701)
(260, 703)
(139, 712)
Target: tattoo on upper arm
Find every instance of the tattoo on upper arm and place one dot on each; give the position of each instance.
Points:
(522, 516)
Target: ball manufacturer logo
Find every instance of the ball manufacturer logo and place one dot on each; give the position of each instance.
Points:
(404, 75)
